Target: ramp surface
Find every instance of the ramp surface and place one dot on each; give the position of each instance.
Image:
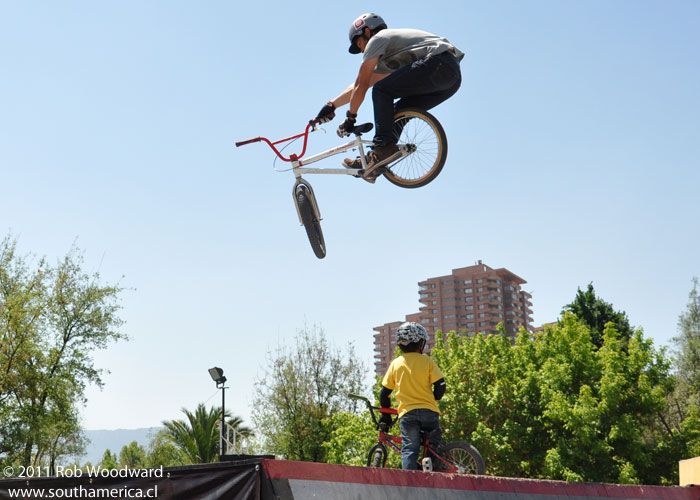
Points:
(288, 480)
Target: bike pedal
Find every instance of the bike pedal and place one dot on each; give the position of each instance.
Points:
(427, 464)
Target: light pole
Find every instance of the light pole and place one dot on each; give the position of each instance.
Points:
(217, 375)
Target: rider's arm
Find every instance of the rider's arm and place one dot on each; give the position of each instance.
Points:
(384, 400)
(439, 389)
(345, 96)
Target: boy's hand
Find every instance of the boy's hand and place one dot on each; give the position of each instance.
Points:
(385, 422)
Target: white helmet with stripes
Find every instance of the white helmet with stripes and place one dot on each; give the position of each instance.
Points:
(411, 332)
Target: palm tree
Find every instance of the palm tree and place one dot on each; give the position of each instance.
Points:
(197, 438)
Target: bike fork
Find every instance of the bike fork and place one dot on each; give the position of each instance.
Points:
(309, 194)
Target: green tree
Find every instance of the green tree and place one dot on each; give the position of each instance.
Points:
(109, 460)
(162, 451)
(350, 439)
(301, 389)
(687, 345)
(132, 456)
(197, 438)
(52, 319)
(596, 313)
(557, 405)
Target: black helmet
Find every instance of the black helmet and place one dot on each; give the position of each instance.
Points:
(371, 21)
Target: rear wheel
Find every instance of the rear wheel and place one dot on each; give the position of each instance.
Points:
(423, 136)
(311, 222)
(377, 456)
(462, 458)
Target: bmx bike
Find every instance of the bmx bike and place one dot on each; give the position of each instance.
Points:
(456, 457)
(422, 152)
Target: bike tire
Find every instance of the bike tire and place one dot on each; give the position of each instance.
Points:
(377, 456)
(420, 131)
(464, 457)
(310, 221)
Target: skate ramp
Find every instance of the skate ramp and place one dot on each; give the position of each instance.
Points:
(288, 480)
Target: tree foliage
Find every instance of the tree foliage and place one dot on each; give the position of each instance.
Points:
(687, 344)
(596, 313)
(197, 438)
(558, 405)
(52, 319)
(301, 389)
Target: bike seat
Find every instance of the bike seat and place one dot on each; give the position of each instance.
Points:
(361, 129)
(430, 436)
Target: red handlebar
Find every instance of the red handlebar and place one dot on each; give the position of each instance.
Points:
(249, 141)
(392, 411)
(305, 135)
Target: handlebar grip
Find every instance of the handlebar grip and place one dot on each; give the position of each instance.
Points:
(358, 397)
(249, 141)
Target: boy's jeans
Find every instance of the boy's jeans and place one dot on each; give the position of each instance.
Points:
(423, 84)
(411, 424)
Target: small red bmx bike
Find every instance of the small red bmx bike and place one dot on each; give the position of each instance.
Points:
(456, 457)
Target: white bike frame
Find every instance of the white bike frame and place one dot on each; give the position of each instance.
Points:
(299, 166)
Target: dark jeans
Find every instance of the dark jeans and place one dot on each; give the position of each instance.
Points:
(423, 84)
(411, 424)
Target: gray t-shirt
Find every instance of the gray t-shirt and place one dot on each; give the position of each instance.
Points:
(398, 47)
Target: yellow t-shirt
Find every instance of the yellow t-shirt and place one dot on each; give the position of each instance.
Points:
(412, 376)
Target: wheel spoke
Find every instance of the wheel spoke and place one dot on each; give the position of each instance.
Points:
(423, 136)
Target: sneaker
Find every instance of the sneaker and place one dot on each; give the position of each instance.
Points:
(377, 155)
(356, 163)
(381, 153)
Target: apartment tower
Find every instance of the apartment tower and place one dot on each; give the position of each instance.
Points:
(470, 300)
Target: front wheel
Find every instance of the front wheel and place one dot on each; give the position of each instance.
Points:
(377, 456)
(310, 220)
(424, 145)
(462, 458)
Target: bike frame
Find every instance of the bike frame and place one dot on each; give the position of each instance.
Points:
(299, 166)
(394, 442)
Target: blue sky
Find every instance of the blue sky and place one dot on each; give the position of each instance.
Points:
(573, 159)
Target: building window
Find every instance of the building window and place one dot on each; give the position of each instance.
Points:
(469, 308)
(468, 290)
(467, 282)
(468, 299)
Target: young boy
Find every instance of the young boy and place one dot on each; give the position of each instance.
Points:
(419, 384)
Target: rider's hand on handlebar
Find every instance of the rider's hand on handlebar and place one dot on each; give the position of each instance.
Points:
(348, 125)
(385, 422)
(326, 114)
